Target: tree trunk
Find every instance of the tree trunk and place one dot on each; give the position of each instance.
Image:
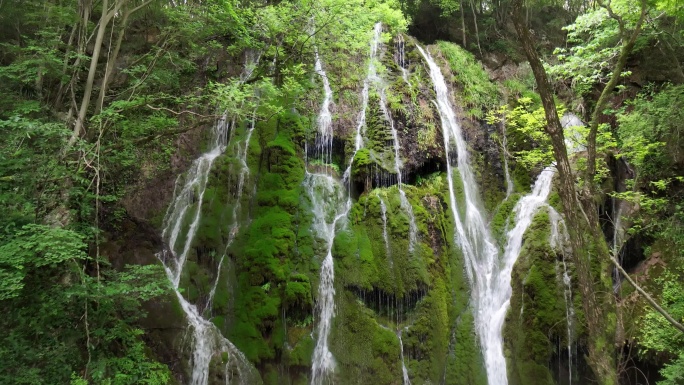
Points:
(463, 28)
(597, 300)
(106, 17)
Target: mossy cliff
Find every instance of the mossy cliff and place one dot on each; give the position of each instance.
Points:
(389, 292)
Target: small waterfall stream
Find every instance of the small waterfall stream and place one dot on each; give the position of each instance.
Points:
(383, 211)
(398, 164)
(324, 120)
(328, 206)
(558, 240)
(400, 57)
(404, 371)
(207, 340)
(370, 77)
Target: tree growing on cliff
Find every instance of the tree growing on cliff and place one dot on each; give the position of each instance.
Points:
(590, 251)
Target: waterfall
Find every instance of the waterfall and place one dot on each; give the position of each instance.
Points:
(329, 207)
(207, 340)
(472, 235)
(235, 223)
(326, 195)
(558, 239)
(404, 371)
(383, 211)
(370, 77)
(400, 57)
(507, 173)
(324, 135)
(398, 164)
(524, 211)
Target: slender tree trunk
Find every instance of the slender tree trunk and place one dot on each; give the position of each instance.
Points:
(106, 17)
(111, 61)
(477, 32)
(463, 27)
(629, 40)
(597, 300)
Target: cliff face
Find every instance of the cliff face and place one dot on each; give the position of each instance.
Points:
(249, 231)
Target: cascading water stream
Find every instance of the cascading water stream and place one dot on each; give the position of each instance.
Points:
(329, 207)
(235, 223)
(524, 211)
(400, 57)
(324, 135)
(370, 77)
(383, 211)
(398, 164)
(326, 194)
(472, 234)
(507, 173)
(558, 240)
(207, 341)
(404, 371)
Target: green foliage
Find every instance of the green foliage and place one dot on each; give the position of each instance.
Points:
(34, 247)
(593, 38)
(649, 134)
(657, 336)
(525, 128)
(478, 92)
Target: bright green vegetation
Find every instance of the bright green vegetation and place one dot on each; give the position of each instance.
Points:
(536, 325)
(478, 93)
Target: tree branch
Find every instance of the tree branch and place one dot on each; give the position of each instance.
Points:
(647, 297)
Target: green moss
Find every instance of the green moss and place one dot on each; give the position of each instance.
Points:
(536, 320)
(478, 92)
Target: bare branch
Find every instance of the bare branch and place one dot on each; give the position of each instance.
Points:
(647, 297)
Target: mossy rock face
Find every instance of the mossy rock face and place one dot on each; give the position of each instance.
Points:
(536, 328)
(265, 299)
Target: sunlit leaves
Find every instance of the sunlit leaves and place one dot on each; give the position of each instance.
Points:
(32, 247)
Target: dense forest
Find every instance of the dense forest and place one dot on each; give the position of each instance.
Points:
(320, 192)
